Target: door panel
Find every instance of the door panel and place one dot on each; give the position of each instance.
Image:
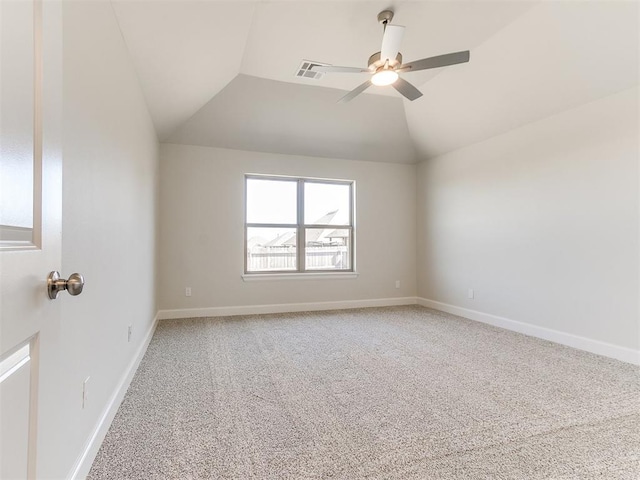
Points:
(15, 398)
(30, 133)
(20, 58)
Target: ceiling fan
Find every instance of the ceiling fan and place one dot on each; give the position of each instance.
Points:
(385, 65)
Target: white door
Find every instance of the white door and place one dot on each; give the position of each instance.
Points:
(30, 219)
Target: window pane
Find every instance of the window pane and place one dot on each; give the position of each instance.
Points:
(271, 249)
(327, 249)
(326, 203)
(271, 201)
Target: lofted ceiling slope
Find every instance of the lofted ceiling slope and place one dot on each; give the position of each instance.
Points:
(221, 73)
(308, 122)
(184, 52)
(557, 56)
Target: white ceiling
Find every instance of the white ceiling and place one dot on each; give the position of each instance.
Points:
(184, 52)
(528, 61)
(347, 33)
(557, 56)
(309, 122)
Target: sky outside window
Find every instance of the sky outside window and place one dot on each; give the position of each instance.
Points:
(271, 201)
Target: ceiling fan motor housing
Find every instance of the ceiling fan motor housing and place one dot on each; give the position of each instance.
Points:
(375, 63)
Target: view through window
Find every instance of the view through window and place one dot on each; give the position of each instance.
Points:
(298, 224)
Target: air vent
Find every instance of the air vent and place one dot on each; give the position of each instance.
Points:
(305, 71)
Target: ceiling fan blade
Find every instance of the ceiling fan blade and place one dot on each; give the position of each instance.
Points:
(406, 89)
(355, 92)
(334, 69)
(391, 41)
(435, 62)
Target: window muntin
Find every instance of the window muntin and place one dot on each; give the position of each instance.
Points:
(298, 225)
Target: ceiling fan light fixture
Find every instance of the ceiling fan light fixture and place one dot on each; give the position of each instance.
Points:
(384, 77)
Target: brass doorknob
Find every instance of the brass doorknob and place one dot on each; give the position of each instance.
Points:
(55, 284)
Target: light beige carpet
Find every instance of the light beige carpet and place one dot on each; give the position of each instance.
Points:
(398, 392)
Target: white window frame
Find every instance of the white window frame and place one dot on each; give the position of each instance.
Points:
(300, 227)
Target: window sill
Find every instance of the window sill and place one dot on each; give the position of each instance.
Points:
(258, 277)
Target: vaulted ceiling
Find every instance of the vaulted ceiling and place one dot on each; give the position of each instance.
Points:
(222, 73)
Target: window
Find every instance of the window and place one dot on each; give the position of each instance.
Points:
(298, 225)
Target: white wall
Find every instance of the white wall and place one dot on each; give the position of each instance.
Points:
(109, 197)
(201, 231)
(542, 222)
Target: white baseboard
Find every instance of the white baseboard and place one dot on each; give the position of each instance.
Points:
(283, 308)
(617, 352)
(82, 466)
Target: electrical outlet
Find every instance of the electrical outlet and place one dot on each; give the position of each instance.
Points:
(397, 283)
(187, 291)
(470, 293)
(85, 392)
(129, 329)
